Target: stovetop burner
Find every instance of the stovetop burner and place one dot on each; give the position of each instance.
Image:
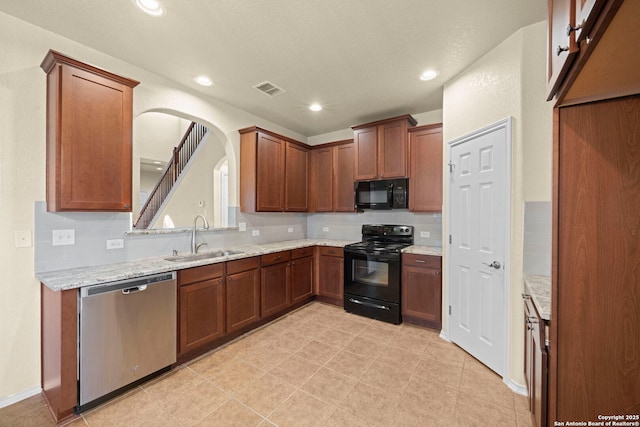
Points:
(378, 238)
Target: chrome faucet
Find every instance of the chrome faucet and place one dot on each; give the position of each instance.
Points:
(195, 246)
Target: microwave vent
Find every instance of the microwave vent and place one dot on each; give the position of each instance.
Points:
(269, 89)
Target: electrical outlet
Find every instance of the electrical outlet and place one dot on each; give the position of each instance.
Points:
(290, 230)
(255, 232)
(115, 244)
(325, 229)
(242, 226)
(22, 238)
(425, 234)
(63, 237)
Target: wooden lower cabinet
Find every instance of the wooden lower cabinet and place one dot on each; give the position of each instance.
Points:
(536, 363)
(275, 283)
(331, 275)
(421, 295)
(201, 318)
(243, 293)
(301, 274)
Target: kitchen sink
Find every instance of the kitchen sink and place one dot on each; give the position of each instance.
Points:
(200, 256)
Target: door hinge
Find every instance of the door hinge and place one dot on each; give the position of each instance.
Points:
(450, 239)
(452, 167)
(449, 310)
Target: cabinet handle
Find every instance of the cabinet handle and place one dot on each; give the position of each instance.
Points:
(561, 49)
(221, 281)
(420, 261)
(229, 278)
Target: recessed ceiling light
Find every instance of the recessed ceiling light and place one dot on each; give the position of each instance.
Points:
(315, 107)
(204, 81)
(429, 75)
(151, 7)
(157, 162)
(158, 169)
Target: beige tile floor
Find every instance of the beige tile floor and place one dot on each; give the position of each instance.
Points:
(318, 366)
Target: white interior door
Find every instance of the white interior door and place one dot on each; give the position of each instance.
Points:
(479, 195)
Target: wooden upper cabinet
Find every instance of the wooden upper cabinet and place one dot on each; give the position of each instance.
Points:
(381, 148)
(366, 155)
(332, 177)
(425, 168)
(562, 47)
(89, 136)
(343, 178)
(270, 173)
(274, 172)
(322, 179)
(296, 186)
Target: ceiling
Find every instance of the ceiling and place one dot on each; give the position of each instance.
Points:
(360, 59)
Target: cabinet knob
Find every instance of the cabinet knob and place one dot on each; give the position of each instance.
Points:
(561, 49)
(229, 278)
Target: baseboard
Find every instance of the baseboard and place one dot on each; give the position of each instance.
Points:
(517, 388)
(15, 398)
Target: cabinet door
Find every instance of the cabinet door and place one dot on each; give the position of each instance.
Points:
(562, 48)
(296, 178)
(343, 178)
(201, 314)
(270, 173)
(425, 171)
(94, 156)
(392, 150)
(301, 279)
(422, 295)
(275, 288)
(331, 279)
(366, 153)
(322, 179)
(243, 299)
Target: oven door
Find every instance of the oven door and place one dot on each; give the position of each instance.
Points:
(375, 276)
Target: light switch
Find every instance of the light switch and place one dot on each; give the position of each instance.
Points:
(290, 230)
(325, 229)
(23, 238)
(63, 237)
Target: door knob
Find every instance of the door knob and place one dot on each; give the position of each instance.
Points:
(494, 264)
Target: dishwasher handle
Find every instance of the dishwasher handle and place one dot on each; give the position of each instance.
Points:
(134, 290)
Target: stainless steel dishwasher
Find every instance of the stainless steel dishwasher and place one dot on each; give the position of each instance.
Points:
(127, 332)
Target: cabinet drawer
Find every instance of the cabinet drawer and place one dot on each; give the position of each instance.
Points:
(243, 265)
(331, 251)
(199, 274)
(425, 261)
(276, 258)
(301, 252)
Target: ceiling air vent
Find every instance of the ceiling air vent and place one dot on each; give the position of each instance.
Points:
(269, 89)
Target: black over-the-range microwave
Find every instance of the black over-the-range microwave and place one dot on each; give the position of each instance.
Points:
(382, 194)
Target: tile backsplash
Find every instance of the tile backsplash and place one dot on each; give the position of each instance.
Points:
(93, 229)
(537, 238)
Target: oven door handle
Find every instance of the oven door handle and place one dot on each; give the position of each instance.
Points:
(369, 304)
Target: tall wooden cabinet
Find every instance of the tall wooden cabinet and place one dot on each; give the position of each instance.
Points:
(594, 362)
(89, 136)
(425, 168)
(274, 172)
(381, 148)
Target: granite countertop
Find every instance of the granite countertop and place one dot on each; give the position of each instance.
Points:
(539, 287)
(93, 275)
(98, 274)
(423, 250)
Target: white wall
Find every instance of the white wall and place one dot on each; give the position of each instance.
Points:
(22, 172)
(508, 81)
